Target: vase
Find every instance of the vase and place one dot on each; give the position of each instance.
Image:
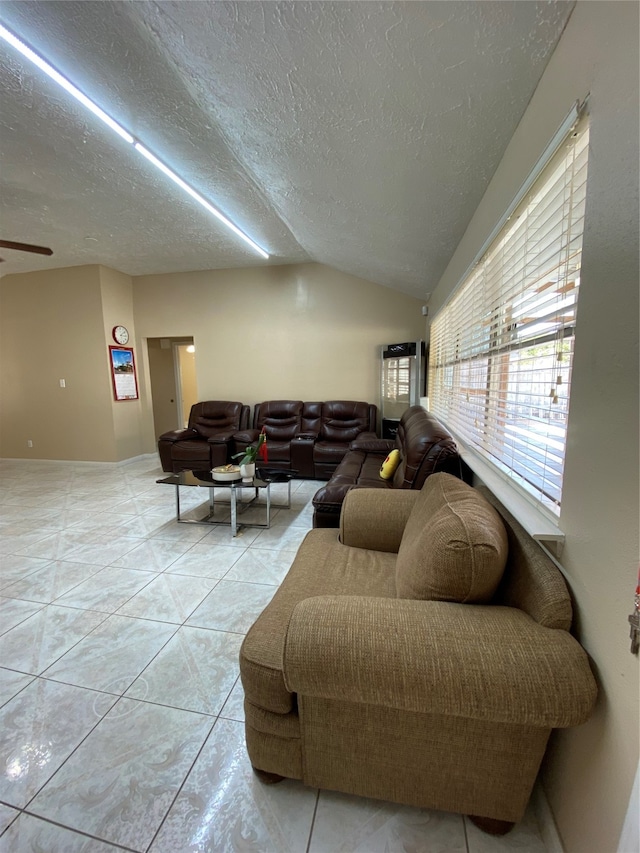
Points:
(248, 472)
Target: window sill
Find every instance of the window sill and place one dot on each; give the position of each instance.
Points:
(535, 521)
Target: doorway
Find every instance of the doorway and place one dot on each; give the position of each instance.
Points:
(172, 373)
(184, 359)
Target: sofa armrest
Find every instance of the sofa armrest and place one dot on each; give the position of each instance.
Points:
(179, 435)
(247, 436)
(375, 518)
(372, 444)
(488, 663)
(222, 437)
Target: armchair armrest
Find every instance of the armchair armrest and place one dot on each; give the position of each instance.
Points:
(179, 435)
(482, 662)
(370, 443)
(375, 518)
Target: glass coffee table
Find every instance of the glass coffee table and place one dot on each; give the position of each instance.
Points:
(236, 490)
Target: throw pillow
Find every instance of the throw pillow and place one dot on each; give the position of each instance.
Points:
(390, 464)
(454, 546)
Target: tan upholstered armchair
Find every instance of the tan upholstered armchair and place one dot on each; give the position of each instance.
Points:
(423, 657)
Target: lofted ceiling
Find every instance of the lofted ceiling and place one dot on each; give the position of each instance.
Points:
(361, 135)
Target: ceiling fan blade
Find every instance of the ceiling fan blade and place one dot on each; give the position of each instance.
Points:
(26, 247)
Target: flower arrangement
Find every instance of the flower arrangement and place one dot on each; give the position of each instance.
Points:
(251, 453)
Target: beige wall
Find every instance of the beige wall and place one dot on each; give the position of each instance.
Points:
(302, 332)
(589, 771)
(117, 310)
(56, 324)
(51, 328)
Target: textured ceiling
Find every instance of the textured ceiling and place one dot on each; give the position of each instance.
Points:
(361, 135)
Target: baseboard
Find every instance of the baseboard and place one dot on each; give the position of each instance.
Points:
(546, 822)
(120, 463)
(141, 458)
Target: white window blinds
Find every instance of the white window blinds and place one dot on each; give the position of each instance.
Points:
(501, 349)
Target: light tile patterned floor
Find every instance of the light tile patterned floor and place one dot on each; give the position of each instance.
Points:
(121, 720)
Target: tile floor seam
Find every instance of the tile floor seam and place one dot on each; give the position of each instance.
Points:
(313, 820)
(184, 782)
(466, 834)
(66, 651)
(73, 751)
(71, 684)
(2, 633)
(42, 568)
(81, 832)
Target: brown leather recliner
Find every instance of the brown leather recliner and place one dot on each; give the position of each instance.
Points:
(282, 423)
(336, 424)
(208, 439)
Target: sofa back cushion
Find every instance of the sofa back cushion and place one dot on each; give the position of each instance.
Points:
(343, 420)
(280, 418)
(213, 416)
(454, 547)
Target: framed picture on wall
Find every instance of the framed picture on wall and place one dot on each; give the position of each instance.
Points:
(123, 373)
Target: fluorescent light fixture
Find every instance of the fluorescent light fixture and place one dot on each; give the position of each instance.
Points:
(66, 84)
(184, 186)
(22, 48)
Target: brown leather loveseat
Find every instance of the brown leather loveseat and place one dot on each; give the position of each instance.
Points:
(310, 438)
(425, 447)
(208, 439)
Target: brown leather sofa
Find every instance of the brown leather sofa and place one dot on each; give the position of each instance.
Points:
(309, 438)
(208, 439)
(422, 669)
(425, 447)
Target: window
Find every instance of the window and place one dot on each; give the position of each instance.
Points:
(502, 347)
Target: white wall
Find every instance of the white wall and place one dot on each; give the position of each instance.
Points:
(589, 771)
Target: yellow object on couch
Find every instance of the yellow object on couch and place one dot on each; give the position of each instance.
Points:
(388, 467)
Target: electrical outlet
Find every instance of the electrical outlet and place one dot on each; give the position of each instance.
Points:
(29, 443)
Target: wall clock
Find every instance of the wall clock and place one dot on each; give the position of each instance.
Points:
(120, 334)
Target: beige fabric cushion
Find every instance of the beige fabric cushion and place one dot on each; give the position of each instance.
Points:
(454, 546)
(323, 566)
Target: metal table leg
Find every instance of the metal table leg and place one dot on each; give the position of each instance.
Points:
(234, 512)
(177, 502)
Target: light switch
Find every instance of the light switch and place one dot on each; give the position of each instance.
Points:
(63, 383)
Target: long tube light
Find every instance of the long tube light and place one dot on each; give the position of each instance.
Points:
(37, 60)
(190, 191)
(66, 84)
